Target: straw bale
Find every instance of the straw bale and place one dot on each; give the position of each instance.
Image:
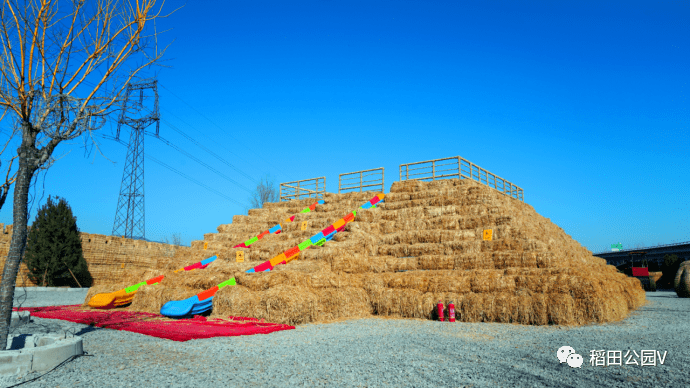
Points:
(418, 280)
(394, 264)
(398, 302)
(235, 300)
(427, 236)
(463, 247)
(545, 259)
(472, 260)
(529, 308)
(423, 244)
(337, 280)
(430, 193)
(298, 264)
(284, 304)
(438, 210)
(470, 307)
(150, 298)
(561, 308)
(372, 282)
(489, 281)
(395, 197)
(343, 302)
(367, 215)
(505, 259)
(455, 282)
(435, 262)
(412, 250)
(342, 236)
(358, 263)
(681, 283)
(266, 280)
(501, 244)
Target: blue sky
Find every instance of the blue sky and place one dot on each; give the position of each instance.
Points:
(583, 105)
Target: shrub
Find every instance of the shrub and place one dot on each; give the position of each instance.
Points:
(53, 251)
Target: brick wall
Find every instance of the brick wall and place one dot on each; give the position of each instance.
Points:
(109, 258)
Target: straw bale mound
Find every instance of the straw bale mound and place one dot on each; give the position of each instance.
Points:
(682, 281)
(425, 243)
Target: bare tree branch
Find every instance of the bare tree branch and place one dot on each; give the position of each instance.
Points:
(265, 192)
(63, 68)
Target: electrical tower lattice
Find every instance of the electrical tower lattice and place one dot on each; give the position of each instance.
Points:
(129, 215)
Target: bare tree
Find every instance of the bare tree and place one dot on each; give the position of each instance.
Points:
(63, 68)
(170, 250)
(265, 192)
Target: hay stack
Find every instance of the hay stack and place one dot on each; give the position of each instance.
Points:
(424, 244)
(682, 281)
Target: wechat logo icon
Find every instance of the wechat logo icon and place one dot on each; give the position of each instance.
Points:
(566, 354)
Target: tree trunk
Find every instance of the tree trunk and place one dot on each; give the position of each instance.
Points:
(27, 168)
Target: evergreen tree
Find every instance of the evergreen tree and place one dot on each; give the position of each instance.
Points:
(53, 251)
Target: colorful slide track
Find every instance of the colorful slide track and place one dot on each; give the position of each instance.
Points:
(125, 296)
(203, 301)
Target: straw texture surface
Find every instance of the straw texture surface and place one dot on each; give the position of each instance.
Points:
(425, 243)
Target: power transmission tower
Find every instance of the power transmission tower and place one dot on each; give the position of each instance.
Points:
(129, 215)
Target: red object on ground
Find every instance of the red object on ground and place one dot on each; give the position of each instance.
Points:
(150, 324)
(328, 230)
(350, 217)
(451, 312)
(439, 307)
(640, 272)
(242, 245)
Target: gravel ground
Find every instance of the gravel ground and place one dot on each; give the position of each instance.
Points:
(375, 353)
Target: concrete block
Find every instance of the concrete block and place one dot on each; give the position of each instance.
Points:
(41, 352)
(48, 356)
(13, 362)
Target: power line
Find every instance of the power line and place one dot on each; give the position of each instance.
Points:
(195, 181)
(173, 127)
(208, 151)
(219, 127)
(201, 163)
(182, 174)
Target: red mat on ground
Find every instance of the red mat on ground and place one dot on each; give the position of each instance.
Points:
(159, 326)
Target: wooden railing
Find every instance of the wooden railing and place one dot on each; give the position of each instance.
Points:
(357, 181)
(313, 187)
(458, 167)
